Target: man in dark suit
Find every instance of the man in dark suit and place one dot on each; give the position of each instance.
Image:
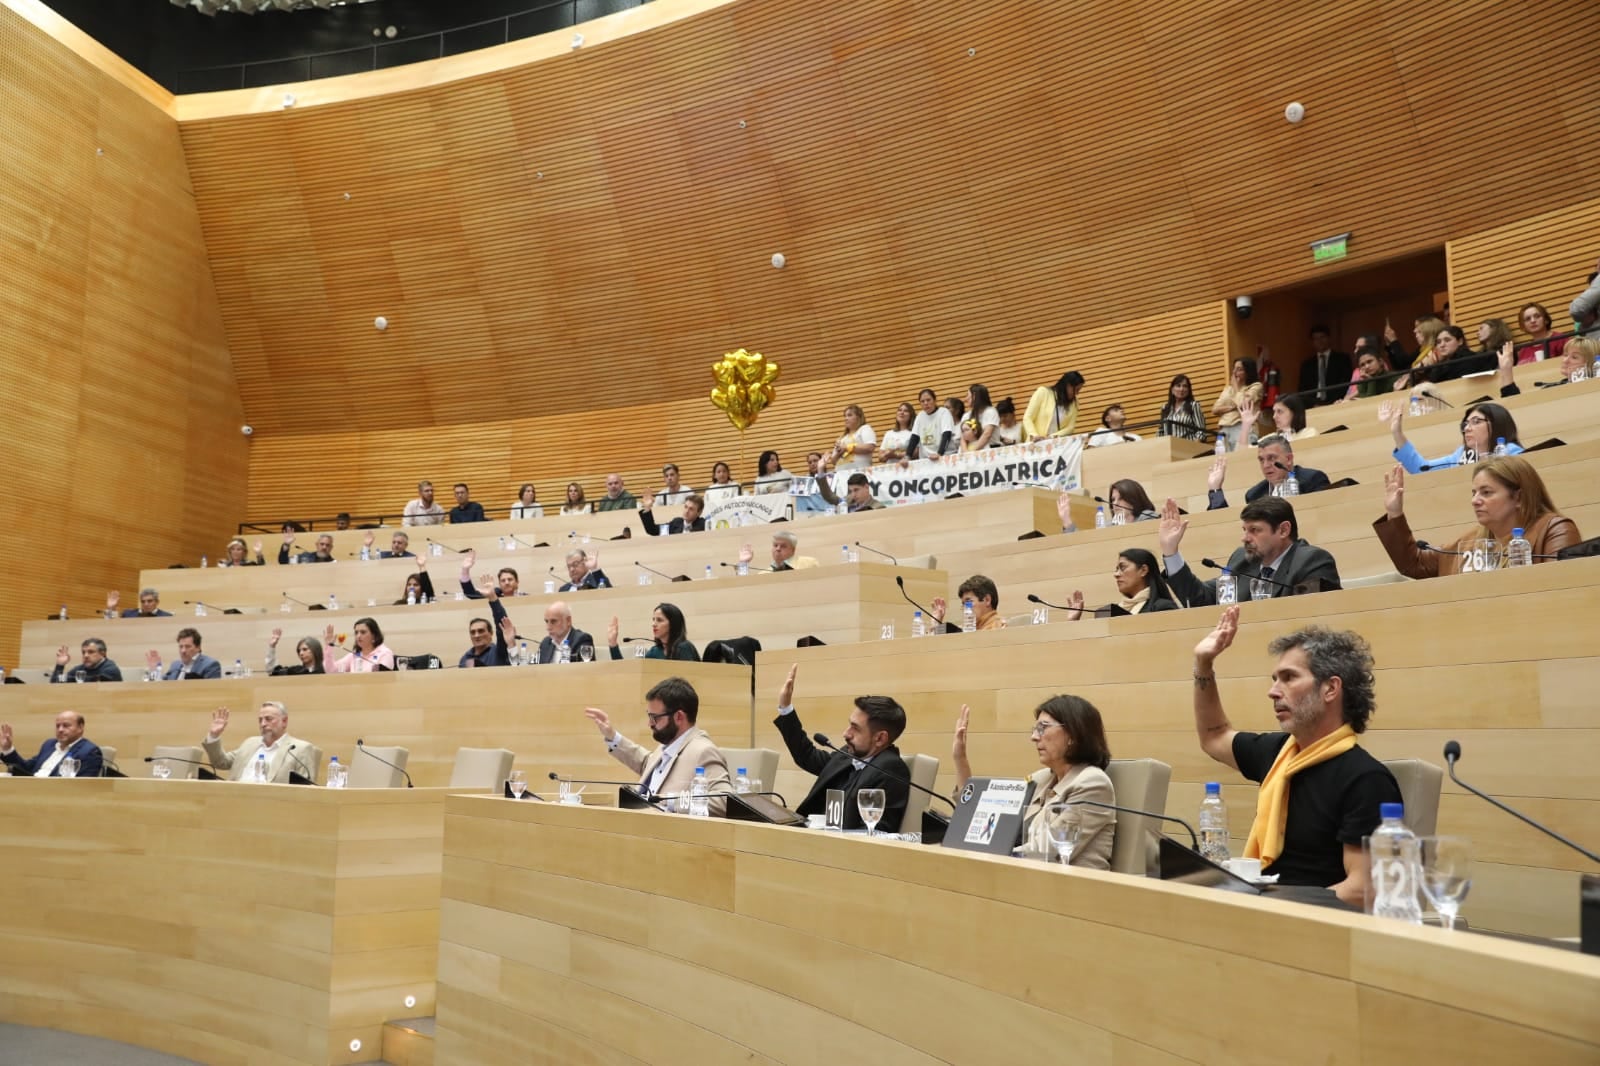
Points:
(1276, 456)
(323, 554)
(873, 760)
(192, 663)
(95, 667)
(558, 627)
(466, 509)
(508, 583)
(1272, 549)
(691, 522)
(1325, 374)
(399, 546)
(583, 572)
(489, 638)
(149, 605)
(69, 741)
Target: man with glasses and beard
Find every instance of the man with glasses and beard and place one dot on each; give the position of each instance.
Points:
(1272, 550)
(867, 757)
(1320, 791)
(668, 770)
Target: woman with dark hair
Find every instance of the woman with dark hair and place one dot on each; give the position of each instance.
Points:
(1053, 409)
(1536, 323)
(1130, 503)
(1009, 431)
(771, 477)
(369, 655)
(1181, 415)
(1069, 738)
(669, 635)
(1507, 495)
(527, 505)
(901, 442)
(1449, 359)
(1241, 395)
(1289, 418)
(1140, 582)
(1482, 427)
(1373, 376)
(722, 486)
(418, 587)
(308, 651)
(576, 504)
(934, 426)
(981, 410)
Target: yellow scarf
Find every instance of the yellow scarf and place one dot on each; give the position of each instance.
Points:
(1272, 804)
(1136, 603)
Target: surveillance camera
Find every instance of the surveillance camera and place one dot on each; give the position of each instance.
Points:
(247, 430)
(1242, 306)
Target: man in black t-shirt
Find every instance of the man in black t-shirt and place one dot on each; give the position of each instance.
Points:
(1326, 788)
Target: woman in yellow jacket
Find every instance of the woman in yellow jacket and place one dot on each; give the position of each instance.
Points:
(1053, 410)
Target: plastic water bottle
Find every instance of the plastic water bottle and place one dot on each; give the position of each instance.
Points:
(1214, 824)
(917, 629)
(411, 595)
(153, 673)
(1227, 588)
(366, 557)
(199, 609)
(708, 572)
(502, 544)
(1519, 552)
(333, 602)
(741, 782)
(1099, 518)
(1221, 446)
(522, 655)
(844, 553)
(1396, 867)
(337, 775)
(969, 621)
(1595, 370)
(63, 612)
(564, 655)
(204, 562)
(263, 772)
(1291, 485)
(699, 802)
(238, 668)
(1500, 447)
(1416, 407)
(294, 558)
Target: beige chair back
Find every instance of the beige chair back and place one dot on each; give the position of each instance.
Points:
(176, 752)
(1420, 783)
(1140, 783)
(760, 763)
(311, 756)
(367, 772)
(482, 769)
(924, 769)
(108, 757)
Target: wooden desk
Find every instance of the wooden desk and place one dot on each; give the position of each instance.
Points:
(225, 923)
(576, 935)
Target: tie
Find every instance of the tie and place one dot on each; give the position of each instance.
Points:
(1266, 571)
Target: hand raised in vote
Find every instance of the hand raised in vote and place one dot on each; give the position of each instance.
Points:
(327, 636)
(112, 599)
(1506, 357)
(1218, 473)
(257, 548)
(1173, 527)
(611, 631)
(288, 536)
(491, 591)
(366, 541)
(509, 628)
(1075, 604)
(958, 743)
(277, 635)
(219, 722)
(5, 736)
(1394, 492)
(786, 691)
(422, 563)
(591, 561)
(602, 722)
(63, 656)
(152, 659)
(1064, 509)
(1249, 411)
(746, 554)
(468, 561)
(937, 609)
(1218, 640)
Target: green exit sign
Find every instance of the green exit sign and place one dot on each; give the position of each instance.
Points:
(1330, 249)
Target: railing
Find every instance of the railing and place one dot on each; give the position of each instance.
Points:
(382, 54)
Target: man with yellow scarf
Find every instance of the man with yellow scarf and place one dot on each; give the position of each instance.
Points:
(1320, 792)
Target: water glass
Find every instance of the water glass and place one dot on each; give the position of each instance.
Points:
(1446, 874)
(69, 767)
(161, 769)
(644, 578)
(1260, 589)
(518, 782)
(80, 675)
(549, 586)
(1483, 556)
(744, 570)
(870, 801)
(1063, 827)
(586, 653)
(284, 607)
(855, 556)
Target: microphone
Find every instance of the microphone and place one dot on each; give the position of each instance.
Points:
(1045, 603)
(206, 771)
(361, 747)
(525, 544)
(213, 607)
(1194, 841)
(1423, 545)
(303, 603)
(310, 777)
(687, 795)
(900, 583)
(822, 738)
(1213, 564)
(669, 577)
(633, 787)
(875, 551)
(1452, 752)
(446, 547)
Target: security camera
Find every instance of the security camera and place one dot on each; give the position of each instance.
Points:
(247, 430)
(1242, 306)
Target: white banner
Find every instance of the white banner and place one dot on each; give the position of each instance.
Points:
(747, 511)
(1056, 463)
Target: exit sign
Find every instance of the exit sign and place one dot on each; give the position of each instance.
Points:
(1330, 249)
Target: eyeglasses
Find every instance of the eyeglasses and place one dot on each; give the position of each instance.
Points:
(1043, 726)
(656, 719)
(1474, 420)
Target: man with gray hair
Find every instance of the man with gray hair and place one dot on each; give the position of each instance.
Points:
(95, 666)
(1320, 791)
(583, 572)
(270, 757)
(784, 546)
(149, 605)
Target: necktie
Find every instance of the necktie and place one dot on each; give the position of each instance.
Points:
(1266, 572)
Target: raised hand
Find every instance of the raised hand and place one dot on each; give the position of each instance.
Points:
(112, 599)
(958, 743)
(1249, 411)
(1172, 528)
(786, 692)
(277, 635)
(422, 563)
(1217, 641)
(746, 554)
(591, 560)
(937, 609)
(152, 659)
(509, 628)
(288, 536)
(1218, 472)
(468, 561)
(491, 591)
(5, 736)
(219, 722)
(1506, 357)
(1075, 604)
(327, 636)
(63, 656)
(1394, 492)
(602, 722)
(611, 631)
(1394, 413)
(257, 548)
(1064, 509)
(366, 541)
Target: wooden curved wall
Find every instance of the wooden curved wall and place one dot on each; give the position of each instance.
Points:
(991, 193)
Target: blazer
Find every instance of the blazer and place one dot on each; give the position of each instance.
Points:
(104, 670)
(576, 637)
(594, 579)
(835, 769)
(1335, 382)
(794, 562)
(1550, 533)
(90, 759)
(204, 668)
(1302, 562)
(699, 750)
(236, 764)
(1042, 410)
(674, 527)
(685, 651)
(1097, 826)
(1310, 481)
(134, 612)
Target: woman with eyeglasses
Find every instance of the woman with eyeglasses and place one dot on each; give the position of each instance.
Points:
(371, 654)
(669, 636)
(1140, 583)
(1484, 425)
(1070, 740)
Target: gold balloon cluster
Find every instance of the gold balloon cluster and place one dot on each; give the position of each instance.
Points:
(744, 386)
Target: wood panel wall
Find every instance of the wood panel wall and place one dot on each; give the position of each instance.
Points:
(120, 444)
(563, 244)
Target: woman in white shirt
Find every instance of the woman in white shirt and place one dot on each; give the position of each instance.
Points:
(933, 426)
(527, 505)
(982, 411)
(576, 504)
(854, 449)
(1009, 431)
(722, 486)
(900, 443)
(771, 477)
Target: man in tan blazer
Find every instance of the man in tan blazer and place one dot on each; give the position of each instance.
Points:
(668, 770)
(784, 546)
(285, 754)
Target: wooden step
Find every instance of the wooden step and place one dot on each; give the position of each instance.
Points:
(408, 1042)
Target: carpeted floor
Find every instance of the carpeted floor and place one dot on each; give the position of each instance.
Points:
(21, 1045)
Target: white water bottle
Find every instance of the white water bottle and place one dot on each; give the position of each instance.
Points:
(366, 556)
(844, 553)
(1519, 552)
(1291, 485)
(411, 595)
(708, 571)
(204, 562)
(1416, 406)
(522, 655)
(263, 772)
(1396, 867)
(1500, 447)
(238, 668)
(741, 782)
(1227, 588)
(699, 802)
(333, 602)
(1221, 446)
(1214, 824)
(63, 612)
(1099, 518)
(969, 620)
(917, 628)
(199, 609)
(564, 655)
(336, 773)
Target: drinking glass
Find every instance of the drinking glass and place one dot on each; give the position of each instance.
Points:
(161, 769)
(69, 767)
(518, 782)
(80, 675)
(644, 578)
(1063, 827)
(1446, 874)
(1260, 589)
(869, 801)
(549, 586)
(1485, 555)
(586, 653)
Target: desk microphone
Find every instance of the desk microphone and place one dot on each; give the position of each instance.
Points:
(310, 777)
(669, 577)
(633, 787)
(307, 606)
(1193, 839)
(1423, 545)
(1045, 603)
(1452, 752)
(446, 547)
(875, 551)
(1213, 564)
(206, 770)
(941, 820)
(900, 583)
(362, 747)
(525, 544)
(213, 607)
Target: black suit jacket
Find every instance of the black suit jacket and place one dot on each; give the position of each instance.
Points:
(134, 612)
(1302, 562)
(576, 638)
(1336, 381)
(674, 527)
(835, 769)
(1310, 481)
(104, 670)
(90, 759)
(594, 579)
